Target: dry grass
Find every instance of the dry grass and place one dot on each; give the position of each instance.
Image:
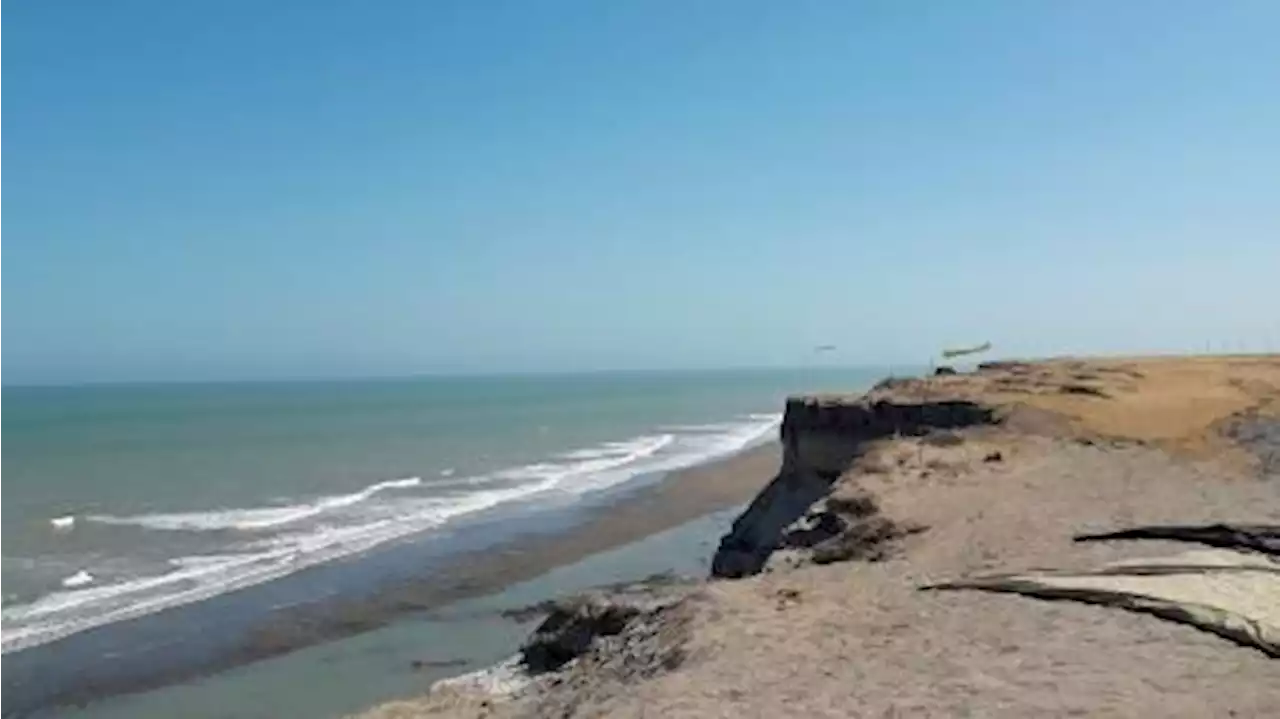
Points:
(1177, 403)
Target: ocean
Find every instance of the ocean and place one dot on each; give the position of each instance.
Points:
(126, 500)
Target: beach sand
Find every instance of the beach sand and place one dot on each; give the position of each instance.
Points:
(1080, 446)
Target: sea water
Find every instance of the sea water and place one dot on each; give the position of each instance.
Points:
(123, 500)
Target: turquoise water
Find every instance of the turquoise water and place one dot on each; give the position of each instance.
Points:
(123, 500)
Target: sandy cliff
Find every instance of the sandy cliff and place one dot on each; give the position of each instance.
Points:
(822, 438)
(1175, 403)
(978, 480)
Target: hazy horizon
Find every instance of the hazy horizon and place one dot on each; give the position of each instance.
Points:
(320, 191)
(477, 375)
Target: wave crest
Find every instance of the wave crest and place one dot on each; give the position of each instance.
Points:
(255, 518)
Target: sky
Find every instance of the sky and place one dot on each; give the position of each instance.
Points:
(229, 190)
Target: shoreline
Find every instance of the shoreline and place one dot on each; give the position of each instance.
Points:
(366, 593)
(882, 568)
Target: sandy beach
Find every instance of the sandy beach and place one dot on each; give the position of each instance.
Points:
(935, 482)
(167, 648)
(677, 498)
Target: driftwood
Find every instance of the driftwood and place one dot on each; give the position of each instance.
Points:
(1233, 591)
(1255, 537)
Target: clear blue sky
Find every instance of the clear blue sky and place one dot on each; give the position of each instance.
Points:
(271, 189)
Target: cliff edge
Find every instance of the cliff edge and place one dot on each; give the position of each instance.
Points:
(1178, 403)
(973, 481)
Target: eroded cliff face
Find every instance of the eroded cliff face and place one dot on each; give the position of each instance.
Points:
(822, 437)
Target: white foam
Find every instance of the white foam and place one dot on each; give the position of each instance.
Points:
(79, 579)
(505, 677)
(447, 472)
(702, 428)
(251, 519)
(63, 524)
(278, 541)
(694, 447)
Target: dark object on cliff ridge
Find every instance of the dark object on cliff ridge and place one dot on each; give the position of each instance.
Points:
(889, 383)
(1257, 537)
(993, 457)
(944, 370)
(1084, 390)
(1007, 365)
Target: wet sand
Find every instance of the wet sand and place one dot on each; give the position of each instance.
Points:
(678, 498)
(618, 520)
(366, 593)
(406, 657)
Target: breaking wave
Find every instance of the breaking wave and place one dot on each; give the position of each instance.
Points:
(259, 544)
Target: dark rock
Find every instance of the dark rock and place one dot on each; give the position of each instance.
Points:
(1260, 435)
(871, 539)
(1004, 366)
(993, 457)
(845, 527)
(570, 629)
(860, 504)
(943, 371)
(529, 612)
(576, 624)
(890, 383)
(1084, 390)
(813, 529)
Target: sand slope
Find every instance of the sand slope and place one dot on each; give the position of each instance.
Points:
(1085, 446)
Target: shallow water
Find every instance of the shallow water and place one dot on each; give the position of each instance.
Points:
(348, 675)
